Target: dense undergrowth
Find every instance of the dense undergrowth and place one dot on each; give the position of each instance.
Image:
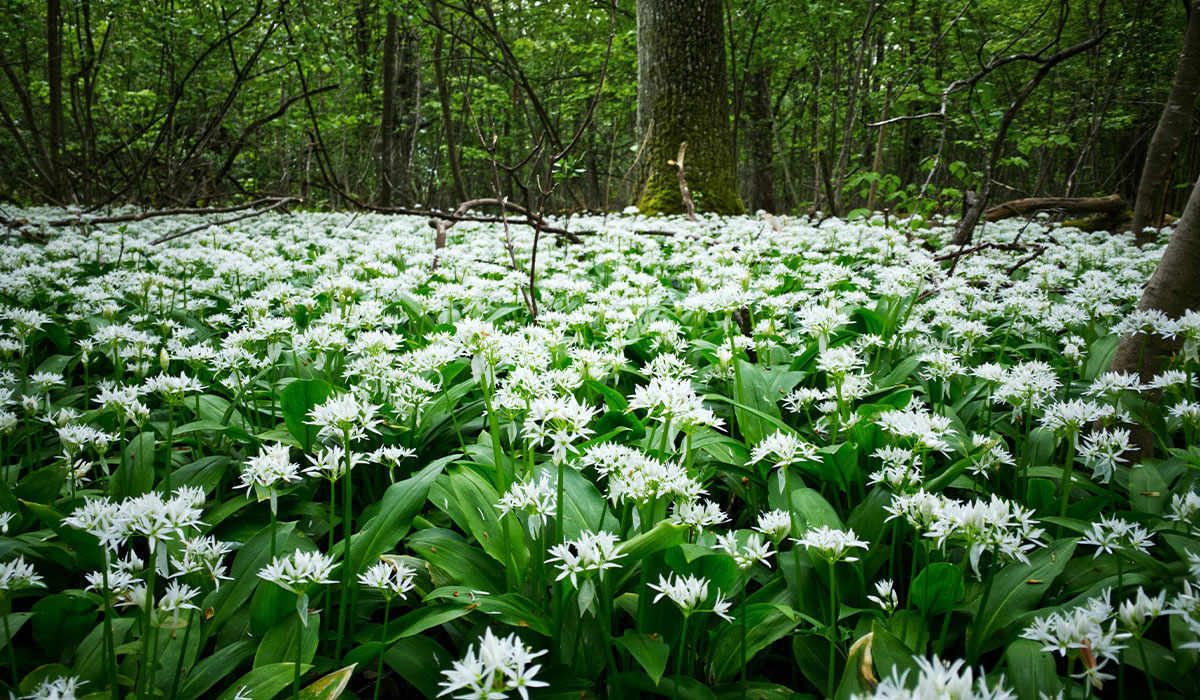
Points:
(312, 454)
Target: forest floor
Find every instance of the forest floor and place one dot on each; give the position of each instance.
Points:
(316, 450)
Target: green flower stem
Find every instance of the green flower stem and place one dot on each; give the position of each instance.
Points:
(745, 580)
(12, 654)
(109, 642)
(299, 651)
(792, 530)
(606, 615)
(494, 428)
(559, 500)
(679, 658)
(383, 644)
(182, 653)
(1064, 488)
(170, 436)
(149, 656)
(833, 625)
(1141, 644)
(737, 374)
(975, 646)
(346, 573)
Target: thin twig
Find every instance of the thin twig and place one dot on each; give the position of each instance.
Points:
(200, 227)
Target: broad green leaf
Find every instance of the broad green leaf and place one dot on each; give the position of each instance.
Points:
(663, 535)
(471, 502)
(1100, 354)
(15, 622)
(1148, 491)
(286, 638)
(249, 560)
(674, 687)
(419, 661)
(263, 683)
(61, 621)
(465, 564)
(1019, 587)
(329, 687)
(510, 608)
(765, 624)
(136, 475)
(891, 656)
(401, 503)
(650, 652)
(1031, 672)
(938, 588)
(299, 398)
(210, 670)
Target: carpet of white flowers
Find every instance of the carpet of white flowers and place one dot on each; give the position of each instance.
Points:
(312, 455)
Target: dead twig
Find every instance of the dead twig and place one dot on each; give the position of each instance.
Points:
(684, 192)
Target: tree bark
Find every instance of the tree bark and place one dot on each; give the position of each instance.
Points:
(1071, 205)
(877, 162)
(387, 121)
(54, 49)
(1173, 291)
(443, 89)
(681, 90)
(760, 141)
(1172, 127)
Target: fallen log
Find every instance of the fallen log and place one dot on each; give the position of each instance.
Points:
(1070, 205)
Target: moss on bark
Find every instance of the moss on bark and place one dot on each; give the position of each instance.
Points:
(681, 47)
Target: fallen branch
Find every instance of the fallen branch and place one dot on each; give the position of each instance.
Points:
(180, 211)
(19, 225)
(279, 203)
(1113, 203)
(984, 246)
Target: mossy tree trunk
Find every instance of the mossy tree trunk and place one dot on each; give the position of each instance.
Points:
(681, 97)
(1172, 289)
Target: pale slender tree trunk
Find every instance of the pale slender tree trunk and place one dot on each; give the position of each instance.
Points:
(1172, 127)
(682, 92)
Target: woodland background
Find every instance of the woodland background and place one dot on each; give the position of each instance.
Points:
(398, 104)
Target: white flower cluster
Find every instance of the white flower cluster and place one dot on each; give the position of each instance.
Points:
(938, 680)
(1083, 629)
(592, 553)
(500, 666)
(996, 525)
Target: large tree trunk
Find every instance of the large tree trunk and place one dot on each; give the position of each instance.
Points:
(1172, 290)
(682, 98)
(1172, 127)
(387, 121)
(760, 138)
